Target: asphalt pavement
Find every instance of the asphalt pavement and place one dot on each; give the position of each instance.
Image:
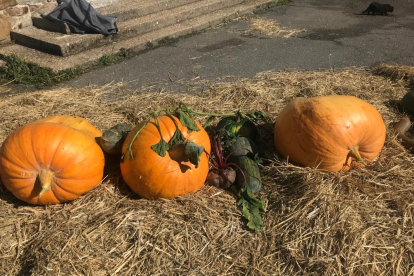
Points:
(335, 34)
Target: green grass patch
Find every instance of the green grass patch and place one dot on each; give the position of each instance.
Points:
(22, 72)
(123, 54)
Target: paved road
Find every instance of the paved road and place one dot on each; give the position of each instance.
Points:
(336, 35)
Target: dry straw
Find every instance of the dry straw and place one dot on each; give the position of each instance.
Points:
(355, 223)
(270, 27)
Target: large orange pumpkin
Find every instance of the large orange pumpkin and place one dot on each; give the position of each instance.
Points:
(332, 133)
(75, 122)
(153, 176)
(47, 162)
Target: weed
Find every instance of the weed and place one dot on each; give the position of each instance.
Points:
(168, 40)
(20, 71)
(279, 3)
(106, 60)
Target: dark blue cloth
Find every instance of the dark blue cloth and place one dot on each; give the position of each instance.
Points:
(83, 18)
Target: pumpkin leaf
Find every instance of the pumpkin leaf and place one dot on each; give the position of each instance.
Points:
(177, 138)
(161, 147)
(193, 152)
(188, 122)
(251, 208)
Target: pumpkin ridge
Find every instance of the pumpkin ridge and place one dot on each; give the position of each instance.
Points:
(320, 150)
(23, 187)
(165, 183)
(56, 183)
(56, 149)
(14, 164)
(146, 131)
(32, 141)
(73, 178)
(167, 127)
(70, 195)
(177, 187)
(39, 200)
(70, 164)
(33, 147)
(34, 166)
(324, 135)
(61, 171)
(7, 157)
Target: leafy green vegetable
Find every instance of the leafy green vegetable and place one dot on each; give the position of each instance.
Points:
(240, 125)
(193, 152)
(251, 206)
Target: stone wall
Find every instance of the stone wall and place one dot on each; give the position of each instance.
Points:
(15, 15)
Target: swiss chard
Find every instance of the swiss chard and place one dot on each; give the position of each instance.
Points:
(251, 208)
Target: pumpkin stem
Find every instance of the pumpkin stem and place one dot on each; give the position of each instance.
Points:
(45, 177)
(354, 153)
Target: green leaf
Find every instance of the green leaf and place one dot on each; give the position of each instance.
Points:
(251, 208)
(229, 138)
(177, 138)
(188, 122)
(193, 152)
(208, 122)
(257, 159)
(161, 147)
(257, 115)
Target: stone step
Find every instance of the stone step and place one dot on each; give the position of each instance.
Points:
(127, 9)
(122, 9)
(139, 43)
(66, 45)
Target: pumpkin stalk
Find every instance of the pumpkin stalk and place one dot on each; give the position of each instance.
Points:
(46, 177)
(354, 153)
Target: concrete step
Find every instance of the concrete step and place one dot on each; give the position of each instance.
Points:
(127, 9)
(122, 9)
(65, 45)
(136, 44)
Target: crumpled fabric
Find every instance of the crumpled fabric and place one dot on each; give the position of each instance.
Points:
(83, 18)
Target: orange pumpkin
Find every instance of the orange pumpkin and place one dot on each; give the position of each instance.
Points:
(331, 133)
(153, 176)
(77, 123)
(47, 163)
